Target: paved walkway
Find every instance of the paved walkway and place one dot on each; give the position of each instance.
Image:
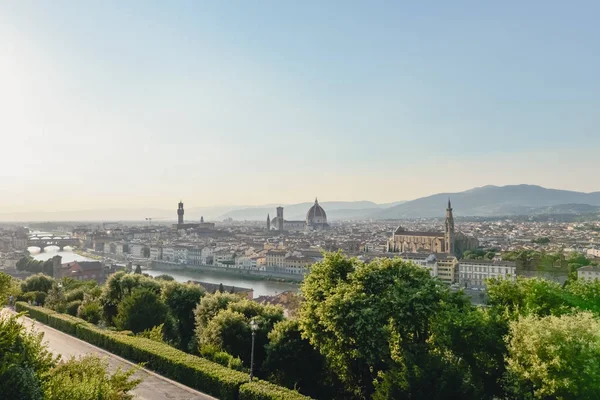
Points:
(153, 386)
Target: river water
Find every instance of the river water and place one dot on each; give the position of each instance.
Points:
(261, 288)
(67, 254)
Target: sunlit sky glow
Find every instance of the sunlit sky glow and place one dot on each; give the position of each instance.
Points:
(126, 103)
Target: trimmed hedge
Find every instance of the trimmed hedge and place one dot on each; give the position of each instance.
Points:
(193, 371)
(261, 390)
(38, 313)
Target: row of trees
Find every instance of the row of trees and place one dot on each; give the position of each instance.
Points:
(29, 264)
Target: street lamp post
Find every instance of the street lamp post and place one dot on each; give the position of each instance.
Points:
(253, 327)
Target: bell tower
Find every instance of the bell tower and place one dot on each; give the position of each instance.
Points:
(268, 222)
(180, 213)
(449, 231)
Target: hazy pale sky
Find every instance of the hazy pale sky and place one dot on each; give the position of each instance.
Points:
(125, 103)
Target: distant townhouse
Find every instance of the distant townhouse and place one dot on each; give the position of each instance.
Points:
(296, 265)
(428, 261)
(473, 273)
(194, 256)
(168, 253)
(274, 260)
(589, 273)
(155, 252)
(180, 254)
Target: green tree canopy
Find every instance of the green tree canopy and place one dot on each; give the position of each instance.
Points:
(356, 313)
(182, 300)
(37, 283)
(141, 310)
(555, 357)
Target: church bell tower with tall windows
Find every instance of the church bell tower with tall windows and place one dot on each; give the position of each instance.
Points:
(449, 230)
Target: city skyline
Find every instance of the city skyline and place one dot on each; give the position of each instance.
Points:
(111, 105)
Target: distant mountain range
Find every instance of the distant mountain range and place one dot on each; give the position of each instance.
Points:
(486, 201)
(496, 201)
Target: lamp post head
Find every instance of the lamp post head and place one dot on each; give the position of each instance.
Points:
(253, 325)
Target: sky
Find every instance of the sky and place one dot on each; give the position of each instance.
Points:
(124, 104)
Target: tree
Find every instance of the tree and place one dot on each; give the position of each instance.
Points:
(182, 299)
(24, 360)
(221, 289)
(293, 362)
(120, 285)
(555, 357)
(209, 307)
(37, 283)
(5, 288)
(56, 299)
(229, 331)
(355, 313)
(91, 311)
(527, 296)
(141, 310)
(138, 269)
(88, 378)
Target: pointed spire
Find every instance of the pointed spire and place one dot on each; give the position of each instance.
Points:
(449, 204)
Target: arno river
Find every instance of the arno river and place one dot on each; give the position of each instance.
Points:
(261, 288)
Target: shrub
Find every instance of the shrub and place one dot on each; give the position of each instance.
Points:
(88, 378)
(37, 283)
(64, 322)
(187, 369)
(261, 390)
(142, 310)
(76, 294)
(73, 306)
(38, 297)
(90, 311)
(39, 313)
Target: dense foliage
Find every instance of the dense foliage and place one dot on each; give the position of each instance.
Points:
(29, 264)
(28, 371)
(190, 370)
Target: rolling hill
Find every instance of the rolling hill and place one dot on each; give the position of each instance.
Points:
(492, 201)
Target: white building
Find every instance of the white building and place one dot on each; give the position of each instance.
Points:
(427, 261)
(168, 253)
(137, 250)
(156, 253)
(207, 256)
(588, 273)
(245, 262)
(473, 273)
(194, 256)
(223, 258)
(180, 254)
(593, 253)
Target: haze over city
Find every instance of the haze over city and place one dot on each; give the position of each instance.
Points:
(120, 104)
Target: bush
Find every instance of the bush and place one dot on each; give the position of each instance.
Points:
(141, 310)
(76, 294)
(37, 283)
(38, 297)
(64, 322)
(187, 369)
(261, 390)
(73, 307)
(90, 311)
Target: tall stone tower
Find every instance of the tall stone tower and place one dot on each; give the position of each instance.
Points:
(180, 213)
(268, 222)
(449, 232)
(280, 219)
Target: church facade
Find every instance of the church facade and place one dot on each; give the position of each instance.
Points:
(448, 241)
(316, 219)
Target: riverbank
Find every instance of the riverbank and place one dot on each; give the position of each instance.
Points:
(85, 254)
(240, 273)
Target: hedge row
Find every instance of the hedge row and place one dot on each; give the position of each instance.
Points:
(262, 390)
(193, 371)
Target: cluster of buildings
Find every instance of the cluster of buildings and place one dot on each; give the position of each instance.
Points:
(287, 248)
